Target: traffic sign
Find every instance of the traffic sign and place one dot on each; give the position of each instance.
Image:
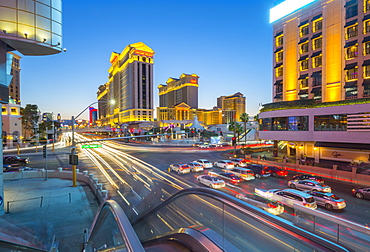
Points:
(91, 146)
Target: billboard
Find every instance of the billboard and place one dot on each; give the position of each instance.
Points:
(285, 8)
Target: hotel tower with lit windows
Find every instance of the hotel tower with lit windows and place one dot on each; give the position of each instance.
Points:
(321, 80)
(130, 86)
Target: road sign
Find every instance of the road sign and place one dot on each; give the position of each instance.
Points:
(91, 146)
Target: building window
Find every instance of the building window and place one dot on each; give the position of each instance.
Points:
(303, 83)
(351, 93)
(366, 26)
(279, 88)
(351, 11)
(316, 80)
(351, 31)
(303, 65)
(351, 74)
(279, 71)
(366, 48)
(279, 40)
(304, 48)
(292, 123)
(317, 43)
(366, 91)
(317, 61)
(330, 122)
(279, 56)
(367, 71)
(366, 5)
(352, 52)
(304, 30)
(317, 25)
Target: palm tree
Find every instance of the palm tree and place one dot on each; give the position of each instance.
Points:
(244, 117)
(237, 129)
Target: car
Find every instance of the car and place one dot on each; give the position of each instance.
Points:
(328, 200)
(240, 162)
(204, 162)
(203, 145)
(180, 168)
(15, 161)
(244, 173)
(224, 164)
(288, 197)
(309, 177)
(195, 167)
(259, 171)
(7, 168)
(277, 171)
(308, 185)
(211, 181)
(196, 144)
(361, 192)
(227, 176)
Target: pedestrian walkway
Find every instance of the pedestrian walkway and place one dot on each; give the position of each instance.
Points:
(36, 210)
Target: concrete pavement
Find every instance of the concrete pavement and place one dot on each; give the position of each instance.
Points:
(38, 209)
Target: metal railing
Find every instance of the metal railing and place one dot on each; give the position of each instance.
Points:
(239, 225)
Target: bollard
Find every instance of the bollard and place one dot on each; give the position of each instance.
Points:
(42, 197)
(70, 197)
(7, 207)
(169, 169)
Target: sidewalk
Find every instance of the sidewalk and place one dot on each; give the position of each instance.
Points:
(39, 209)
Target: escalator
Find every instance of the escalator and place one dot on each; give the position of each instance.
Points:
(242, 135)
(200, 219)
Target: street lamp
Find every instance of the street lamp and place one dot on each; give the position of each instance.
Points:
(73, 158)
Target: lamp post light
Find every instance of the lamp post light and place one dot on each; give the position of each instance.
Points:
(73, 158)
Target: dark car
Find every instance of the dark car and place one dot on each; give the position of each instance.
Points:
(15, 161)
(361, 192)
(308, 177)
(277, 171)
(259, 170)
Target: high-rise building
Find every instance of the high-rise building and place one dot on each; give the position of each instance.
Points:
(321, 79)
(181, 90)
(14, 86)
(234, 102)
(130, 86)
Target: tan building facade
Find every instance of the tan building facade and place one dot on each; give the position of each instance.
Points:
(130, 86)
(235, 102)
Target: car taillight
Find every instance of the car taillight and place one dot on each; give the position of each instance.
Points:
(263, 172)
(271, 205)
(353, 190)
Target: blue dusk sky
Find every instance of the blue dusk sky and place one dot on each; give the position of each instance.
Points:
(228, 43)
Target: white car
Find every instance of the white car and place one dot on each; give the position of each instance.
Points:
(244, 173)
(240, 162)
(288, 197)
(211, 181)
(309, 185)
(195, 166)
(204, 162)
(180, 168)
(226, 164)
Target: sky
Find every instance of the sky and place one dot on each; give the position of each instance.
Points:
(227, 43)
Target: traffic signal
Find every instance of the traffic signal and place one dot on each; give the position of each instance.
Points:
(44, 154)
(73, 159)
(233, 140)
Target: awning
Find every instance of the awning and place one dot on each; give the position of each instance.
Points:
(278, 49)
(316, 17)
(277, 96)
(316, 54)
(343, 145)
(303, 57)
(279, 82)
(366, 63)
(278, 65)
(366, 39)
(302, 92)
(366, 82)
(316, 35)
(278, 34)
(302, 41)
(303, 76)
(350, 66)
(350, 84)
(316, 90)
(351, 43)
(304, 22)
(352, 2)
(351, 23)
(316, 74)
(366, 17)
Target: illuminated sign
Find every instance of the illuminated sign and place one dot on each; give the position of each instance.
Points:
(148, 54)
(85, 146)
(287, 7)
(114, 60)
(193, 81)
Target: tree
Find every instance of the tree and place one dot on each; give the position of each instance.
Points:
(30, 117)
(244, 117)
(237, 129)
